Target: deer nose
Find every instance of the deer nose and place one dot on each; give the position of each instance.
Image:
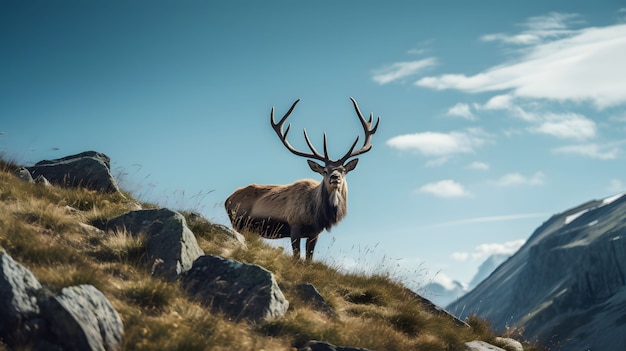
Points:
(334, 176)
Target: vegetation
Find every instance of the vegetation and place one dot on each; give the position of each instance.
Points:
(48, 229)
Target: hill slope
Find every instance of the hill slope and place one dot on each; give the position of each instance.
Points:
(50, 230)
(566, 287)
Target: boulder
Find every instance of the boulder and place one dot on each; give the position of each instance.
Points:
(171, 247)
(309, 294)
(89, 169)
(241, 291)
(478, 345)
(19, 290)
(24, 175)
(81, 318)
(509, 344)
(197, 220)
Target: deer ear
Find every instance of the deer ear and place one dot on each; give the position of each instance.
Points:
(351, 165)
(315, 167)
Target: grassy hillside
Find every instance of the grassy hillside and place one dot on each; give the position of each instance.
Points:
(40, 229)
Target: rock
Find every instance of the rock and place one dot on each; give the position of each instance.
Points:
(478, 345)
(19, 290)
(509, 344)
(241, 291)
(81, 318)
(42, 180)
(171, 247)
(315, 345)
(88, 169)
(24, 175)
(196, 220)
(436, 310)
(235, 236)
(309, 294)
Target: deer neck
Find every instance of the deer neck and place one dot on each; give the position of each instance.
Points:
(335, 197)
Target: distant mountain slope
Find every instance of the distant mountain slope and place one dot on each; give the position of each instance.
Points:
(566, 287)
(443, 295)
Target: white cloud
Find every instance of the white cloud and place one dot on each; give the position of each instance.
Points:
(461, 110)
(539, 28)
(507, 248)
(440, 144)
(566, 126)
(445, 188)
(581, 65)
(499, 102)
(400, 70)
(607, 151)
(480, 166)
(445, 281)
(483, 251)
(512, 179)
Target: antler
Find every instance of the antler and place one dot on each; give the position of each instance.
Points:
(367, 145)
(278, 128)
(369, 131)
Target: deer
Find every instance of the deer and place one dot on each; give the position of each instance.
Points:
(306, 207)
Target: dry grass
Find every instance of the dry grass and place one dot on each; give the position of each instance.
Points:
(39, 230)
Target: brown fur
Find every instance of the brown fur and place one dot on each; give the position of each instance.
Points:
(299, 210)
(307, 207)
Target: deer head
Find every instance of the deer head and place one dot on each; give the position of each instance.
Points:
(333, 171)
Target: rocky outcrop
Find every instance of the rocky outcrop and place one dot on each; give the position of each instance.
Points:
(19, 291)
(309, 294)
(566, 287)
(171, 247)
(82, 317)
(240, 291)
(79, 318)
(478, 345)
(88, 169)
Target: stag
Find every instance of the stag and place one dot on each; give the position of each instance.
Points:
(305, 208)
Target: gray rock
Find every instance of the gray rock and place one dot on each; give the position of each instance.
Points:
(171, 247)
(81, 318)
(88, 169)
(19, 290)
(478, 345)
(308, 293)
(24, 175)
(42, 180)
(509, 344)
(241, 291)
(198, 220)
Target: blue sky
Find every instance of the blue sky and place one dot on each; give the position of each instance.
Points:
(494, 115)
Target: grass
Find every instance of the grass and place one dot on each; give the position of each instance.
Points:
(48, 230)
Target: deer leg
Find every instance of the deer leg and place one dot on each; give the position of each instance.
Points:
(310, 246)
(295, 240)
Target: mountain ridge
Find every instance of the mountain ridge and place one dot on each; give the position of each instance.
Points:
(569, 273)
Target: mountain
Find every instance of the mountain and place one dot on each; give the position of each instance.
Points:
(486, 268)
(566, 286)
(443, 294)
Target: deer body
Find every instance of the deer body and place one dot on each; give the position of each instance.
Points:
(304, 208)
